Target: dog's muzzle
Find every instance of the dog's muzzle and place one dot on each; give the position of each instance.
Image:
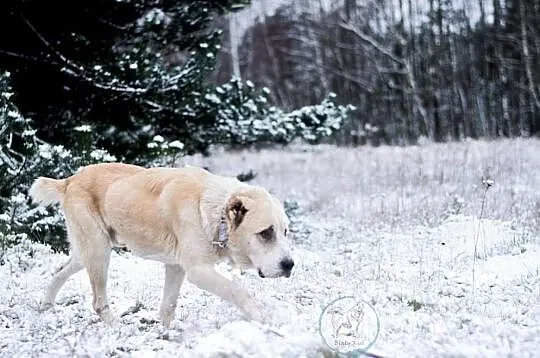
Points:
(286, 266)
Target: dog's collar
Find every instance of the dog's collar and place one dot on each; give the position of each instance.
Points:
(222, 235)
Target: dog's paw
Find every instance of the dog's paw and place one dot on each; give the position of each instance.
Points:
(280, 313)
(45, 306)
(256, 312)
(113, 322)
(109, 318)
(166, 316)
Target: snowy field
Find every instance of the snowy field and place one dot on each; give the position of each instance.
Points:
(451, 267)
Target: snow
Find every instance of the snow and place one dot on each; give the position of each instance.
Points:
(158, 139)
(385, 227)
(45, 151)
(29, 133)
(213, 98)
(103, 155)
(176, 144)
(7, 95)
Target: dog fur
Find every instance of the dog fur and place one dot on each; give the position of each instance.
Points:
(172, 215)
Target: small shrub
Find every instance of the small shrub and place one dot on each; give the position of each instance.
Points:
(239, 116)
(246, 176)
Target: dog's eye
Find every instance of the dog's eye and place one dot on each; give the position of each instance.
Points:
(267, 234)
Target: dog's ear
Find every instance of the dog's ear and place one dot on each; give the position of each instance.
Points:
(236, 210)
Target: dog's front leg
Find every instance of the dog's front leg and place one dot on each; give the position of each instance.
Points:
(206, 278)
(174, 275)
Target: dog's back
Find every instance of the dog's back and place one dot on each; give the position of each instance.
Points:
(94, 179)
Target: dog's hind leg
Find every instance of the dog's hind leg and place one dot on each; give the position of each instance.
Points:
(92, 243)
(174, 276)
(96, 260)
(72, 266)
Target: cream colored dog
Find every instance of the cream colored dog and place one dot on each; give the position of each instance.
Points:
(187, 218)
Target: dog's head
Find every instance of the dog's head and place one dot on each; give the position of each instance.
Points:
(258, 231)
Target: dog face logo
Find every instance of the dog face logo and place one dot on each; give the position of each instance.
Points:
(348, 325)
(258, 235)
(347, 322)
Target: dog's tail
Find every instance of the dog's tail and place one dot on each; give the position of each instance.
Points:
(47, 191)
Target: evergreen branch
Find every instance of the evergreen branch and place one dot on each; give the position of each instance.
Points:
(78, 71)
(47, 43)
(27, 57)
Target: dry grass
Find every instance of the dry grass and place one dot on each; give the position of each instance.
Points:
(374, 188)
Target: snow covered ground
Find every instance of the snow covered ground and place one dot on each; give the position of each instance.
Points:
(396, 227)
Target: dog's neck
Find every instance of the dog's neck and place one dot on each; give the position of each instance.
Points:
(213, 212)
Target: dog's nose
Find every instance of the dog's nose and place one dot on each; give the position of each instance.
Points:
(286, 264)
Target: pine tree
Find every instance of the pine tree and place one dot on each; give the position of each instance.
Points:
(24, 157)
(133, 69)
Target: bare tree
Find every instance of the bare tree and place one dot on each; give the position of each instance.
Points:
(443, 69)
